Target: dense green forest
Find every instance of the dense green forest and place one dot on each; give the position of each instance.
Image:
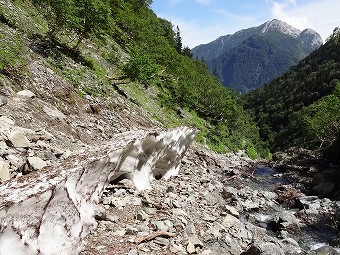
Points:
(302, 107)
(258, 59)
(124, 42)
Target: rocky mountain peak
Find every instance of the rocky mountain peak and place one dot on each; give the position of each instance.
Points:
(290, 44)
(278, 25)
(223, 44)
(307, 36)
(311, 37)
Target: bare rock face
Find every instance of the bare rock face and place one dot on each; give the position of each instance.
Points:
(19, 140)
(51, 211)
(4, 172)
(3, 100)
(26, 93)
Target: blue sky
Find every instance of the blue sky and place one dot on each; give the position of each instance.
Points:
(201, 21)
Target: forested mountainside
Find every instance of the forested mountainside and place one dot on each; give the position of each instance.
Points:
(224, 43)
(109, 48)
(302, 106)
(251, 57)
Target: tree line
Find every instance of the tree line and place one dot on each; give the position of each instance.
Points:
(301, 107)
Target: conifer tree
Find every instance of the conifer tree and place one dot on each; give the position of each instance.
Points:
(187, 52)
(178, 40)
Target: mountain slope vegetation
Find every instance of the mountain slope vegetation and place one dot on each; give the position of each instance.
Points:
(301, 107)
(252, 57)
(257, 60)
(105, 48)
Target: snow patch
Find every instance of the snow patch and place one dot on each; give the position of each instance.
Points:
(50, 211)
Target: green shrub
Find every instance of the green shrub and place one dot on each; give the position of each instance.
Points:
(141, 68)
(13, 48)
(251, 151)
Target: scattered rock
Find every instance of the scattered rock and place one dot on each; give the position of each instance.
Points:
(335, 242)
(291, 247)
(264, 249)
(119, 203)
(161, 241)
(6, 120)
(3, 100)
(179, 212)
(317, 179)
(191, 248)
(54, 113)
(177, 249)
(161, 226)
(142, 216)
(26, 93)
(133, 252)
(326, 250)
(36, 163)
(42, 145)
(306, 202)
(65, 197)
(324, 188)
(230, 221)
(99, 213)
(232, 210)
(3, 145)
(202, 214)
(17, 163)
(209, 218)
(120, 192)
(19, 140)
(195, 241)
(4, 172)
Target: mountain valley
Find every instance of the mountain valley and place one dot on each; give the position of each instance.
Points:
(115, 140)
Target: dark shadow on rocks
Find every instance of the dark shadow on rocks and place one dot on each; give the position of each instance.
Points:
(315, 174)
(7, 22)
(51, 47)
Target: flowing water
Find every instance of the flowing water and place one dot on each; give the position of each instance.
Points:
(311, 236)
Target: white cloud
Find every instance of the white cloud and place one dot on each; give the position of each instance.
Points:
(322, 16)
(292, 2)
(173, 2)
(220, 19)
(204, 1)
(193, 33)
(282, 11)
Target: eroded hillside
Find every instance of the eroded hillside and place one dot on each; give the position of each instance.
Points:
(84, 119)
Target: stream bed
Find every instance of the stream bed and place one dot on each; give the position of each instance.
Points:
(308, 219)
(309, 237)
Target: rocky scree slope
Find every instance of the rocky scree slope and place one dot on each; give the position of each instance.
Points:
(211, 207)
(46, 149)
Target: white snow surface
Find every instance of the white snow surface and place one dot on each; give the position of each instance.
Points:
(50, 211)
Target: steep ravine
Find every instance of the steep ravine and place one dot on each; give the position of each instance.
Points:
(226, 204)
(86, 168)
(217, 204)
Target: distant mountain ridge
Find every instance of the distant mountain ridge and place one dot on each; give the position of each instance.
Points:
(261, 53)
(224, 43)
(301, 107)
